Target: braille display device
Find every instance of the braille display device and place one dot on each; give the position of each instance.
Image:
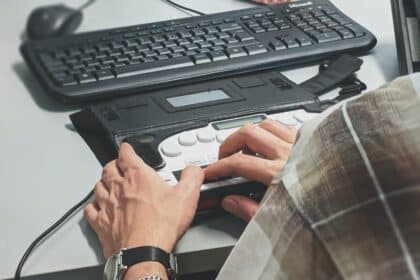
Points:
(185, 125)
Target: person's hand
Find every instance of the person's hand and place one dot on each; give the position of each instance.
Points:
(135, 207)
(254, 152)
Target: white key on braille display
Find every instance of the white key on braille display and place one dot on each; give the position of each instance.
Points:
(206, 135)
(303, 116)
(187, 139)
(171, 149)
(288, 120)
(195, 159)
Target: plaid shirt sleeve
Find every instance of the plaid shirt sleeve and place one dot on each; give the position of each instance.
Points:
(346, 204)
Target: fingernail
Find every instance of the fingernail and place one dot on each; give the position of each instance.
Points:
(229, 203)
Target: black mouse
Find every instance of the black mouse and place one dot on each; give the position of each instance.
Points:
(52, 21)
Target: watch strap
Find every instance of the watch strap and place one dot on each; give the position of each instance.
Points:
(147, 254)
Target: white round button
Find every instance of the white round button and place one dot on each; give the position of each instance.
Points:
(221, 136)
(206, 135)
(171, 149)
(187, 139)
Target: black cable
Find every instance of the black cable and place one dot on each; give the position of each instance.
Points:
(184, 8)
(85, 5)
(45, 234)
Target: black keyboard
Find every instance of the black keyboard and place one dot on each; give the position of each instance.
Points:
(126, 60)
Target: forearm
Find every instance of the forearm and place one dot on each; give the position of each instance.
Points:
(145, 269)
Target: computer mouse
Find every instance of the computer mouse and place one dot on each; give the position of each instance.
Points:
(52, 21)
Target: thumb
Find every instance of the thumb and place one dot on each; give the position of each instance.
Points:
(240, 206)
(191, 180)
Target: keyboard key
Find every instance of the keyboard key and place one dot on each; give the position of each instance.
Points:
(327, 37)
(177, 49)
(329, 10)
(278, 46)
(304, 41)
(143, 48)
(346, 34)
(85, 78)
(340, 19)
(104, 75)
(148, 53)
(136, 56)
(162, 57)
(204, 23)
(290, 42)
(196, 40)
(190, 26)
(158, 38)
(145, 41)
(171, 36)
(235, 52)
(155, 66)
(356, 31)
(209, 37)
(230, 40)
(271, 28)
(217, 55)
(243, 36)
(189, 53)
(198, 32)
(217, 21)
(134, 61)
(185, 34)
(223, 35)
(190, 47)
(255, 49)
(210, 30)
(183, 42)
(163, 51)
(258, 30)
(229, 27)
(201, 58)
(65, 81)
(156, 46)
(215, 43)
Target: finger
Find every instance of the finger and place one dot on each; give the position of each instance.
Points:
(286, 133)
(91, 214)
(111, 173)
(240, 206)
(191, 180)
(101, 194)
(128, 159)
(250, 167)
(258, 140)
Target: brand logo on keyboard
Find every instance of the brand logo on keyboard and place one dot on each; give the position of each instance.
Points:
(299, 5)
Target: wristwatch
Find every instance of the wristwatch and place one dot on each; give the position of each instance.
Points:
(119, 262)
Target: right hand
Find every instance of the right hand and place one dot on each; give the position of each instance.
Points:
(271, 141)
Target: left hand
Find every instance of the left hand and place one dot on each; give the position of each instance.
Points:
(135, 207)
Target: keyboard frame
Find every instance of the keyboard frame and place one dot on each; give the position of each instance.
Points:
(137, 84)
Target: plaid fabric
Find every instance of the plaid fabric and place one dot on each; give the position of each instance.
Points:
(346, 204)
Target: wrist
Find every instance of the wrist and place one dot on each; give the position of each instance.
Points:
(145, 269)
(163, 240)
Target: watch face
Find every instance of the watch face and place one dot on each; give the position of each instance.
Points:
(111, 270)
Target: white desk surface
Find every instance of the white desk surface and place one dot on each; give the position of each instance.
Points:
(45, 168)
